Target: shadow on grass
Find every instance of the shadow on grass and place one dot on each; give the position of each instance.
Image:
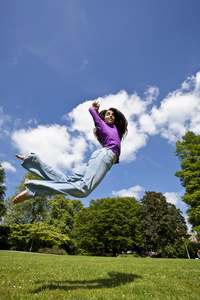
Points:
(115, 279)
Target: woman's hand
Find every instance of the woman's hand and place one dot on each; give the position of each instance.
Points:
(96, 106)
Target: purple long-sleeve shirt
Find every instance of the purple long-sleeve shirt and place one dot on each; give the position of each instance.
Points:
(108, 133)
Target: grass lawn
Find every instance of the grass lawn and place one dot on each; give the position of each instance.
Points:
(46, 276)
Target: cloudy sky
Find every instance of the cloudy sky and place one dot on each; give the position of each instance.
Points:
(140, 56)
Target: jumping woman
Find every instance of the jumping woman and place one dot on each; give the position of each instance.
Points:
(110, 128)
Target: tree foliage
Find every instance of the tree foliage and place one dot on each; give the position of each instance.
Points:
(2, 192)
(188, 152)
(161, 222)
(29, 211)
(22, 236)
(181, 249)
(36, 217)
(77, 204)
(61, 213)
(108, 225)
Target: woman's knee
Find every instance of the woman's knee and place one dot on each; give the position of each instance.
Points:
(84, 191)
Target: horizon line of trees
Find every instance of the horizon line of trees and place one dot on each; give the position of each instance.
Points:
(108, 226)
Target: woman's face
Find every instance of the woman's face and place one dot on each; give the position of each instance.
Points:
(109, 117)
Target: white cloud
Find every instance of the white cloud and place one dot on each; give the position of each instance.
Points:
(81, 120)
(172, 197)
(147, 124)
(131, 192)
(131, 106)
(66, 147)
(151, 94)
(135, 140)
(177, 113)
(53, 144)
(8, 167)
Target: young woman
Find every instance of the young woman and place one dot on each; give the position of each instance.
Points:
(110, 128)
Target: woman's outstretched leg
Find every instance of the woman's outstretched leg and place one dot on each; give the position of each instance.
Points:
(78, 185)
(21, 197)
(33, 163)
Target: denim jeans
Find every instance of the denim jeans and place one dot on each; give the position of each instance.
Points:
(79, 184)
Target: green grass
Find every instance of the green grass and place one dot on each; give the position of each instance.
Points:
(45, 276)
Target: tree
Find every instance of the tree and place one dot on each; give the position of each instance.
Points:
(2, 192)
(188, 152)
(29, 211)
(161, 222)
(21, 236)
(109, 225)
(61, 213)
(78, 205)
(56, 214)
(192, 249)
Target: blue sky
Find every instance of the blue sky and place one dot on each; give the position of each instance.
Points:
(141, 57)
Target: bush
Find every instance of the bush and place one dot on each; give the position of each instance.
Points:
(54, 250)
(170, 251)
(192, 249)
(129, 255)
(83, 252)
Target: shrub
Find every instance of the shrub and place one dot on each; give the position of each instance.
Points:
(54, 250)
(129, 255)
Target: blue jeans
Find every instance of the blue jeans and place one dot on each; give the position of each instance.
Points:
(79, 184)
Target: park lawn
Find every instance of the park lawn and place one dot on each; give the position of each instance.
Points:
(46, 276)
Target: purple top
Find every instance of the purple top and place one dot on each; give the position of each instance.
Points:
(108, 133)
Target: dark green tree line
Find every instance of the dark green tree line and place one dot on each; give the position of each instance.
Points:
(107, 227)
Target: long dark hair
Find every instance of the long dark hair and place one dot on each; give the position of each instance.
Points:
(120, 122)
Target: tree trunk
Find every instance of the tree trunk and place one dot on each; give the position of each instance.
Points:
(163, 251)
(31, 245)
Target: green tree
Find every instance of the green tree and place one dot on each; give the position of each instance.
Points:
(35, 236)
(78, 205)
(61, 213)
(188, 152)
(56, 213)
(192, 249)
(2, 192)
(161, 222)
(108, 225)
(29, 211)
